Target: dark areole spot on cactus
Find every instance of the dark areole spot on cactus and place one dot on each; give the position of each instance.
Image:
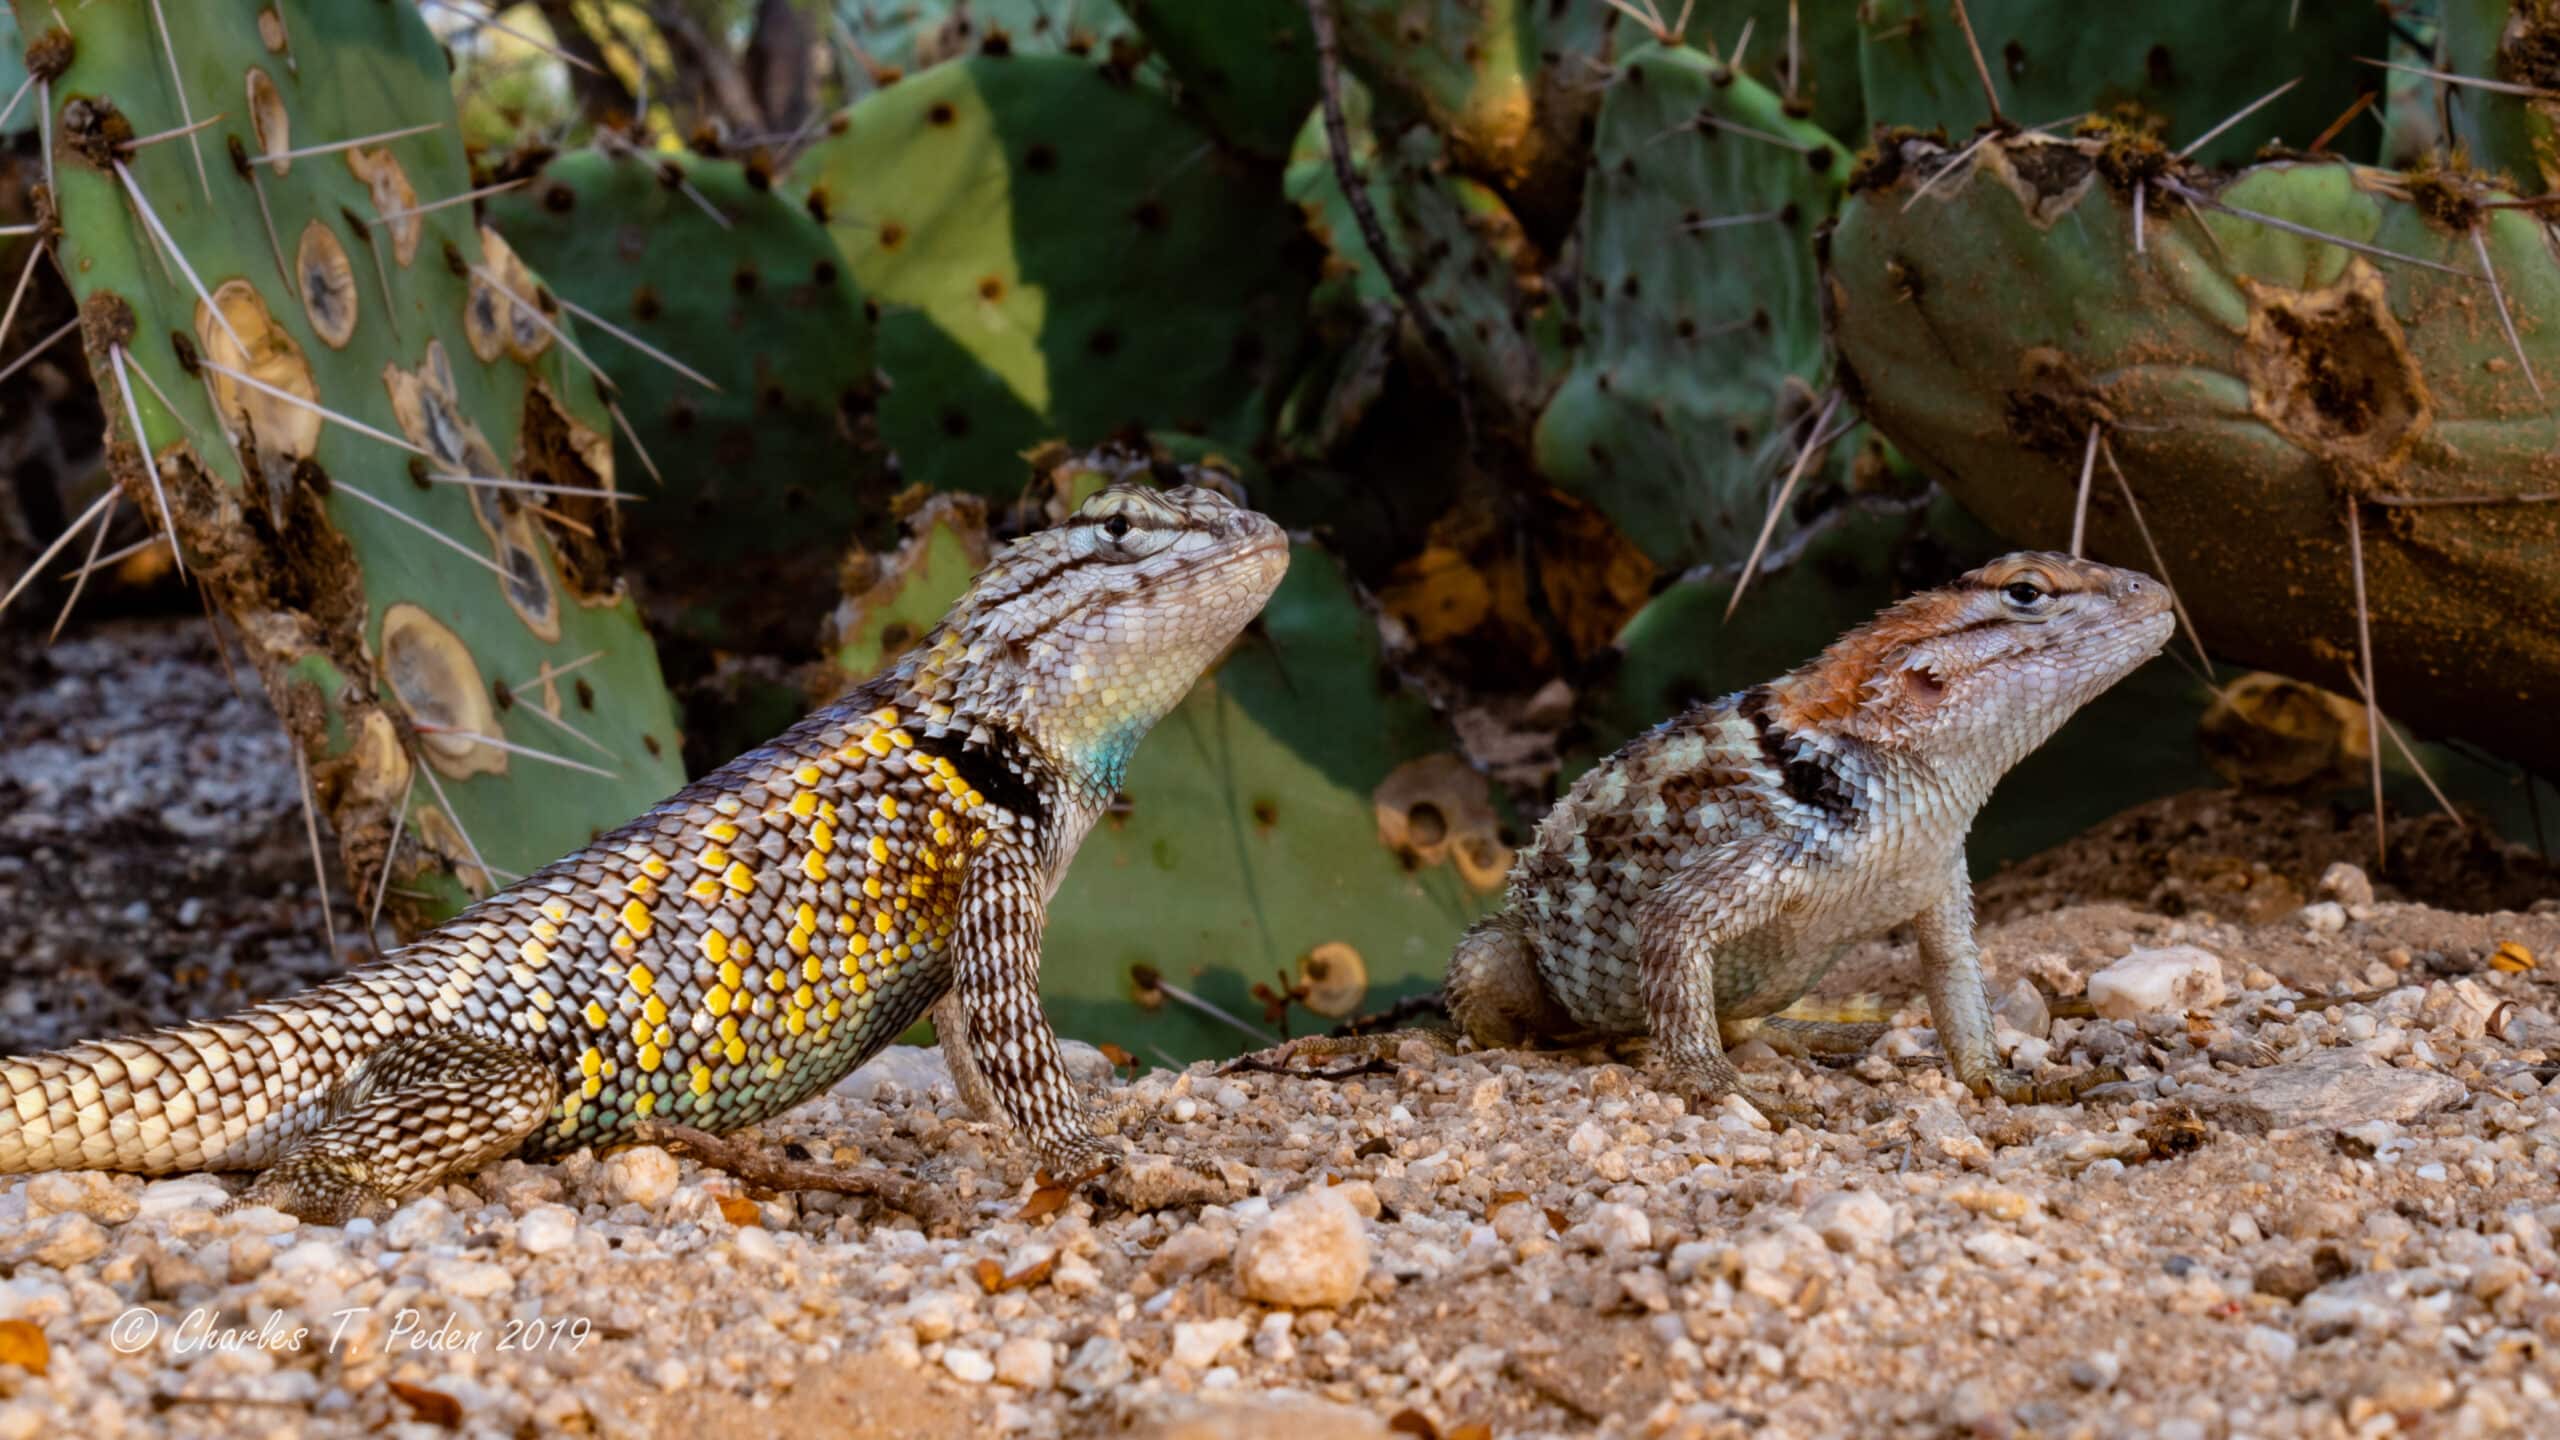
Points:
(1248, 351)
(1629, 286)
(2528, 55)
(1150, 215)
(2155, 64)
(2051, 409)
(1266, 811)
(823, 274)
(991, 287)
(758, 171)
(559, 199)
(1903, 279)
(183, 346)
(818, 205)
(2331, 370)
(1742, 435)
(1820, 159)
(1103, 341)
(50, 54)
(892, 234)
(649, 740)
(503, 693)
(743, 279)
(1686, 328)
(680, 415)
(2013, 57)
(771, 397)
(941, 113)
(587, 696)
(1040, 157)
(955, 424)
(2052, 170)
(95, 130)
(418, 473)
(645, 304)
(736, 447)
(997, 45)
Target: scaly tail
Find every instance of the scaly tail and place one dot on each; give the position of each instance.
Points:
(223, 1095)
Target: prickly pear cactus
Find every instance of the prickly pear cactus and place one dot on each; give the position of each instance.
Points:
(1247, 65)
(455, 660)
(1474, 269)
(2253, 383)
(1508, 83)
(896, 38)
(754, 461)
(1699, 367)
(2508, 44)
(1055, 256)
(2055, 61)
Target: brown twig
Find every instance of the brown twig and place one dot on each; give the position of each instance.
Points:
(761, 1167)
(1980, 69)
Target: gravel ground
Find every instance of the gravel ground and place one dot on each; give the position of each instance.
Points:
(2324, 1203)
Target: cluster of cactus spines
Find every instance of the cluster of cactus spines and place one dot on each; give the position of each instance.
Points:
(1699, 373)
(415, 540)
(2511, 124)
(2355, 362)
(761, 440)
(1472, 266)
(2053, 62)
(1055, 256)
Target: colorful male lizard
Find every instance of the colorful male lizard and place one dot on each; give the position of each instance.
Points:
(740, 947)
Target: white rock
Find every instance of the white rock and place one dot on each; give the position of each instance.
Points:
(970, 1366)
(643, 1175)
(2325, 918)
(469, 1279)
(2332, 1089)
(2267, 1340)
(1859, 1221)
(1612, 1229)
(1026, 1363)
(2000, 1249)
(1099, 1364)
(89, 1192)
(546, 1228)
(422, 1222)
(162, 1198)
(2347, 884)
(2172, 980)
(918, 1068)
(1312, 1251)
(1197, 1344)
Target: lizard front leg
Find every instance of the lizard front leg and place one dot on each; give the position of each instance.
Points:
(1960, 1005)
(1680, 931)
(996, 978)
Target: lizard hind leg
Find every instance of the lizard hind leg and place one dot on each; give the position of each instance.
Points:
(417, 1110)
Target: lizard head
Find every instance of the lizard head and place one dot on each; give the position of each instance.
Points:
(1991, 665)
(1080, 637)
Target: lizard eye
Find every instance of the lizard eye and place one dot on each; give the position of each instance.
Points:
(1117, 527)
(2022, 593)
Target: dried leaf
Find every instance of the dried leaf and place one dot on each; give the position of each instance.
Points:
(1120, 1059)
(1555, 1219)
(433, 1406)
(23, 1344)
(1033, 1273)
(739, 1210)
(1414, 1422)
(990, 1276)
(1045, 1201)
(1472, 1430)
(1502, 1198)
(2512, 958)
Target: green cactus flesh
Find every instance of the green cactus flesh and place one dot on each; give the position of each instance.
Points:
(1700, 359)
(1055, 256)
(407, 630)
(2510, 44)
(1247, 65)
(1475, 271)
(2053, 61)
(912, 36)
(749, 491)
(2249, 380)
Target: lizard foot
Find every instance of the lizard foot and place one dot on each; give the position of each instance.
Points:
(2019, 1088)
(1704, 1088)
(1160, 1182)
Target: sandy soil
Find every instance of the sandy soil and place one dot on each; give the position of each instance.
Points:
(2323, 1204)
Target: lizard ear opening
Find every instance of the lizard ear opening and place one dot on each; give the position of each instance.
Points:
(1923, 687)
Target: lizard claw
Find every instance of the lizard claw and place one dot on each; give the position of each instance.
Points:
(1704, 1089)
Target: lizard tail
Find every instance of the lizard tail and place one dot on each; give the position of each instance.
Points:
(222, 1095)
(1826, 1024)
